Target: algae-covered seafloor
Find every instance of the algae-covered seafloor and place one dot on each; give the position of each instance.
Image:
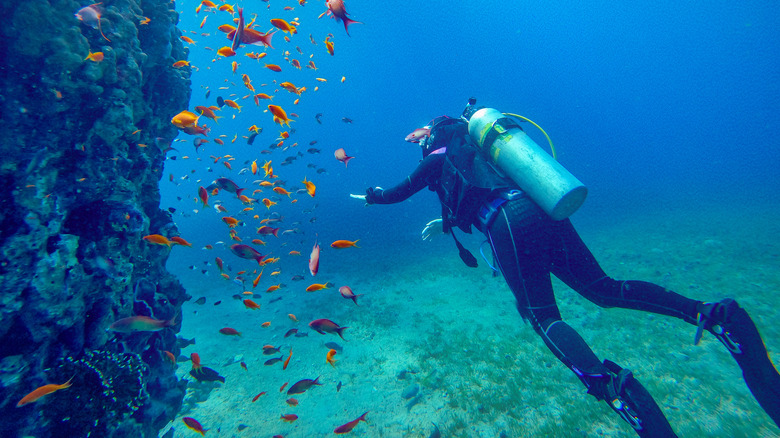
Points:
(441, 343)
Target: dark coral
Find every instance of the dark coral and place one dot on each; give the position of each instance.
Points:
(77, 194)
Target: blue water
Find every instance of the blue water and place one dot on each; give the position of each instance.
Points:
(659, 108)
(651, 105)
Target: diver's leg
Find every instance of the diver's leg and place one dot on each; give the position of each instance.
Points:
(521, 255)
(575, 265)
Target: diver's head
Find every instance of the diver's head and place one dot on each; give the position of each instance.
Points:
(433, 144)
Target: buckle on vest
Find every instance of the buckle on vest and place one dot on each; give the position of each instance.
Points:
(487, 213)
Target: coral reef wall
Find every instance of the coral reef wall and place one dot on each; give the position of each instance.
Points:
(83, 143)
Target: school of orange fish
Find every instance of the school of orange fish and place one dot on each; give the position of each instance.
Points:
(246, 36)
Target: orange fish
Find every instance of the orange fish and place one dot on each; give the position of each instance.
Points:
(311, 189)
(268, 203)
(295, 253)
(179, 64)
(339, 244)
(329, 46)
(232, 104)
(231, 221)
(95, 57)
(280, 116)
(283, 26)
(319, 286)
(282, 191)
(195, 358)
(329, 358)
(226, 52)
(273, 288)
(254, 167)
(286, 362)
(257, 396)
(257, 280)
(41, 391)
(266, 324)
(157, 239)
(282, 388)
(187, 39)
(180, 241)
(185, 119)
(273, 67)
(292, 402)
(170, 356)
(292, 317)
(251, 304)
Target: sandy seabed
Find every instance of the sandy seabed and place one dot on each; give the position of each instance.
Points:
(434, 342)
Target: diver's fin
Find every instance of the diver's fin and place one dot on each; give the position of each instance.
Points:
(732, 325)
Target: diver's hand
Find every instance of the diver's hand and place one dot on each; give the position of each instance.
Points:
(368, 197)
(432, 228)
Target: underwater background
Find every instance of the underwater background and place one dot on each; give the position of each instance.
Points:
(667, 112)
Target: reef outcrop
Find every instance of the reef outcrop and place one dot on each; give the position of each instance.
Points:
(83, 144)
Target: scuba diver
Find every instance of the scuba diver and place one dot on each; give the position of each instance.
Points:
(490, 175)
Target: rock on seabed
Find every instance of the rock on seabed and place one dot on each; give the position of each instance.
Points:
(77, 194)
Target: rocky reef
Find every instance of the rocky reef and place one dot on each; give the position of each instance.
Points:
(84, 138)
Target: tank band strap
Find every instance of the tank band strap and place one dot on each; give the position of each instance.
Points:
(498, 127)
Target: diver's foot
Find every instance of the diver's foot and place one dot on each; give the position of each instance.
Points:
(626, 396)
(732, 325)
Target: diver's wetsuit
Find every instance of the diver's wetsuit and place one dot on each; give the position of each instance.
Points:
(528, 246)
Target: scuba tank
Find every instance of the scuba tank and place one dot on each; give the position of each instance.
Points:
(547, 182)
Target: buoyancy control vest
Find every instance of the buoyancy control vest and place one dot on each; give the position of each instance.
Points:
(468, 179)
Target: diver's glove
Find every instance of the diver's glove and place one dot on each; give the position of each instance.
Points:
(372, 194)
(432, 228)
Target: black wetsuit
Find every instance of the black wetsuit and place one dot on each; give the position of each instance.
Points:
(529, 246)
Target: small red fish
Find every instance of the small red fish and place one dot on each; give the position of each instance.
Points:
(417, 134)
(301, 386)
(323, 326)
(289, 417)
(265, 229)
(346, 292)
(204, 195)
(239, 33)
(257, 396)
(344, 428)
(246, 252)
(194, 425)
(229, 331)
(314, 259)
(342, 156)
(140, 323)
(338, 11)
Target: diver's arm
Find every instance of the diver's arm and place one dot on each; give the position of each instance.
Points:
(425, 173)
